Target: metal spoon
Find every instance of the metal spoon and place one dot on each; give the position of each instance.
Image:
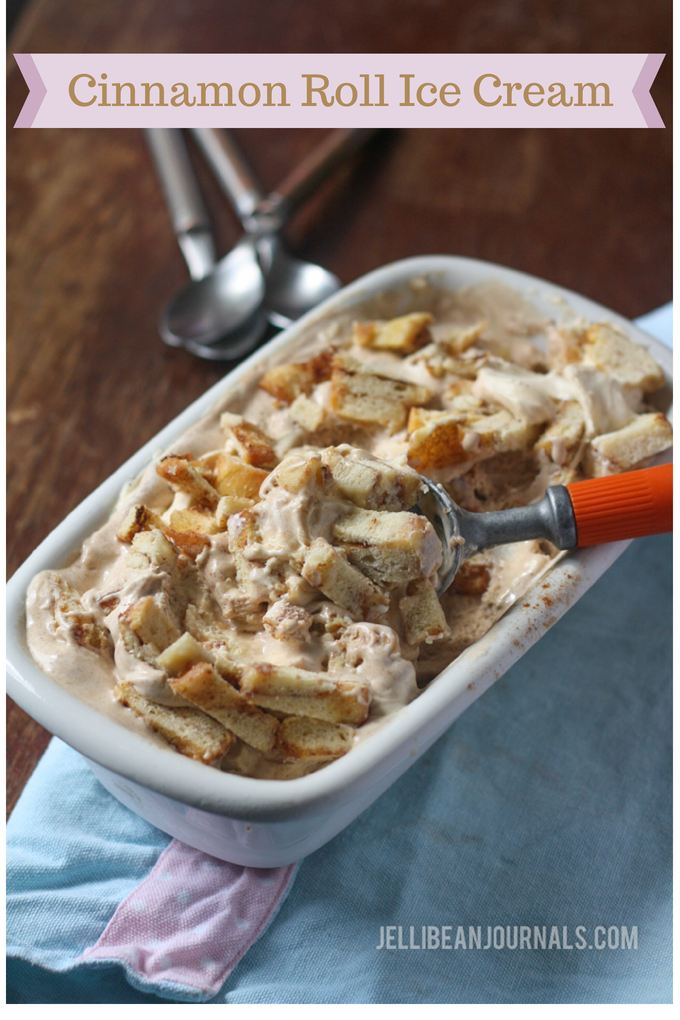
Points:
(293, 286)
(195, 317)
(224, 298)
(580, 514)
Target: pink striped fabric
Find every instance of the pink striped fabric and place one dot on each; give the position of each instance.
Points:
(191, 920)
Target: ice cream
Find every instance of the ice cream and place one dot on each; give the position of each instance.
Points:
(265, 596)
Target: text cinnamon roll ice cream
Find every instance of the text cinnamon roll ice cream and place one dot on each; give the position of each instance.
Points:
(265, 595)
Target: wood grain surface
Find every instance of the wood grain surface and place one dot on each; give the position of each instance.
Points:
(92, 258)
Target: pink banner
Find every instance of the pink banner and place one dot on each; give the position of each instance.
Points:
(326, 90)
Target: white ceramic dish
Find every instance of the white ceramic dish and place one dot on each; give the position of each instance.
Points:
(268, 823)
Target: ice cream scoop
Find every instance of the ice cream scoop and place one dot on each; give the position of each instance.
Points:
(591, 512)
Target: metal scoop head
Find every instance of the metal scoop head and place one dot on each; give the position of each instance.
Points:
(462, 534)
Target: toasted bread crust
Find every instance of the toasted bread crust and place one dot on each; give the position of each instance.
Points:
(364, 395)
(184, 477)
(235, 478)
(313, 739)
(327, 569)
(252, 445)
(202, 686)
(287, 382)
(300, 692)
(191, 732)
(404, 335)
(613, 452)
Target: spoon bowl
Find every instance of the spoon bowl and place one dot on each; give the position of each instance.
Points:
(222, 313)
(293, 286)
(236, 344)
(221, 303)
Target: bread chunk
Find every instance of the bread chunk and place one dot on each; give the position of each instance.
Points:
(422, 614)
(371, 483)
(611, 351)
(327, 569)
(196, 520)
(618, 451)
(456, 341)
(191, 732)
(405, 334)
(156, 543)
(138, 518)
(246, 546)
(250, 442)
(69, 613)
(454, 443)
(389, 548)
(448, 442)
(564, 437)
(364, 395)
(229, 505)
(234, 478)
(565, 342)
(189, 543)
(440, 362)
(307, 413)
(152, 548)
(146, 629)
(201, 685)
(422, 417)
(223, 661)
(298, 473)
(286, 382)
(287, 622)
(184, 477)
(313, 739)
(242, 532)
(181, 653)
(299, 692)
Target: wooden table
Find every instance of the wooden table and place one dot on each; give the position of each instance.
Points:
(92, 258)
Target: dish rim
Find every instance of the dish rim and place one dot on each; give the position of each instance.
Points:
(132, 756)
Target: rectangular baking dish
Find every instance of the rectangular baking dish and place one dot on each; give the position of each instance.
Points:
(266, 823)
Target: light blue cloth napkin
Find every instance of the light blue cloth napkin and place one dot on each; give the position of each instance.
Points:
(547, 805)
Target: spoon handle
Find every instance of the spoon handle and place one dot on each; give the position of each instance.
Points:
(231, 170)
(187, 211)
(628, 505)
(241, 188)
(335, 148)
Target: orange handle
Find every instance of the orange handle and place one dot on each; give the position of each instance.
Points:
(629, 505)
